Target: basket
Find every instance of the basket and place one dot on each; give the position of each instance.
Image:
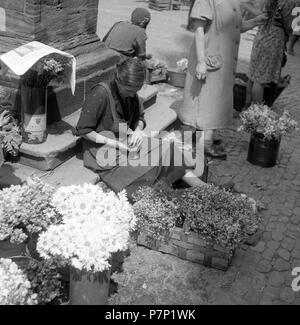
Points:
(176, 78)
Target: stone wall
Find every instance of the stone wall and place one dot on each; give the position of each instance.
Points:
(64, 24)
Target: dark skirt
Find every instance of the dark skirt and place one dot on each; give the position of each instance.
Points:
(131, 178)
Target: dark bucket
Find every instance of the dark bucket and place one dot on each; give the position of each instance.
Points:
(263, 152)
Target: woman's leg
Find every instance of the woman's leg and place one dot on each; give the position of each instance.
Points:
(210, 149)
(257, 93)
(192, 180)
(292, 41)
(248, 93)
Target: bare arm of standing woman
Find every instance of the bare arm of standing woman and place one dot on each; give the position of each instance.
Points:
(201, 68)
(251, 23)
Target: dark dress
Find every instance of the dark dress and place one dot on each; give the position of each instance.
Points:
(101, 115)
(127, 39)
(269, 45)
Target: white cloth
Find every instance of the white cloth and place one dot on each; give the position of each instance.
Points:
(21, 59)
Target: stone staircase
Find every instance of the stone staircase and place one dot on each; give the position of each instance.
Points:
(59, 160)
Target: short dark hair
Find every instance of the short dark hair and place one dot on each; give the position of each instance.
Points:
(131, 72)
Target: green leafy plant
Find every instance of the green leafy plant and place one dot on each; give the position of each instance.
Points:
(10, 134)
(223, 218)
(45, 281)
(156, 210)
(262, 120)
(26, 209)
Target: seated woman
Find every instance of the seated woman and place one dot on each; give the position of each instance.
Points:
(112, 123)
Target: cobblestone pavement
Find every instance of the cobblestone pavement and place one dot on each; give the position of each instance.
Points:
(260, 274)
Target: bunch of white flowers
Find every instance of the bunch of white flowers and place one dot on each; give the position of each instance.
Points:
(26, 209)
(182, 64)
(261, 119)
(95, 225)
(15, 289)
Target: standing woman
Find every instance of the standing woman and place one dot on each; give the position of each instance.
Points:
(208, 95)
(268, 52)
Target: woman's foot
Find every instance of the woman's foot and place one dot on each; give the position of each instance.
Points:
(215, 152)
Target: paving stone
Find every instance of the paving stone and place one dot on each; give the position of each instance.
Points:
(284, 254)
(281, 265)
(287, 295)
(281, 227)
(260, 247)
(276, 279)
(288, 244)
(274, 245)
(268, 254)
(270, 294)
(264, 266)
(284, 219)
(277, 236)
(296, 253)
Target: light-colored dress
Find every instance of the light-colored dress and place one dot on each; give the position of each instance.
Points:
(209, 105)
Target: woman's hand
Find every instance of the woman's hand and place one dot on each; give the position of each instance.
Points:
(116, 144)
(136, 138)
(201, 71)
(261, 19)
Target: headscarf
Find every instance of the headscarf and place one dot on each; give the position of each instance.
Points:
(139, 14)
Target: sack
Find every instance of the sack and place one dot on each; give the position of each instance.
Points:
(213, 62)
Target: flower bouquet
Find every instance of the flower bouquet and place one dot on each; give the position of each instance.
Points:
(15, 288)
(266, 128)
(51, 69)
(95, 225)
(182, 65)
(25, 211)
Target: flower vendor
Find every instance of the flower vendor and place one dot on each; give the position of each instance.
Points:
(112, 124)
(129, 38)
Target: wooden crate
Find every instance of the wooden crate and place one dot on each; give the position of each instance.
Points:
(189, 246)
(163, 4)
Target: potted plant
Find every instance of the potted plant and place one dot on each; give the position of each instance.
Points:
(25, 211)
(34, 83)
(177, 76)
(95, 225)
(15, 288)
(266, 128)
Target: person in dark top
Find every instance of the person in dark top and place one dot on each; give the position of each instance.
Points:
(129, 38)
(112, 123)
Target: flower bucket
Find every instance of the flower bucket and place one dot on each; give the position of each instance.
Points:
(34, 114)
(263, 152)
(8, 249)
(176, 78)
(31, 246)
(88, 288)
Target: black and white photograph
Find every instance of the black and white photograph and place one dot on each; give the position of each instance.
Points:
(149, 155)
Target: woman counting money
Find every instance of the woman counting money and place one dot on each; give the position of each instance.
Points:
(112, 126)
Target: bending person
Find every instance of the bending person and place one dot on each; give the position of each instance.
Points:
(112, 124)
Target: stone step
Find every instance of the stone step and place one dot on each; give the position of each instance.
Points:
(71, 172)
(159, 117)
(61, 144)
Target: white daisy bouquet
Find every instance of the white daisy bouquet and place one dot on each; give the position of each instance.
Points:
(15, 289)
(95, 225)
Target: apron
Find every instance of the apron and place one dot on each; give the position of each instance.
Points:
(117, 170)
